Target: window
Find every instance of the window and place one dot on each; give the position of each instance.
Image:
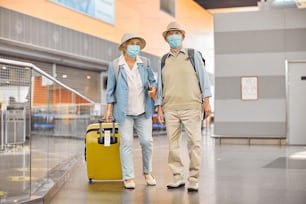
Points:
(101, 9)
(168, 6)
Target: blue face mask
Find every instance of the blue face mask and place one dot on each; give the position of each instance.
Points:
(174, 40)
(133, 50)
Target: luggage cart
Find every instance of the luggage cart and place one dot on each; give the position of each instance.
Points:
(15, 125)
(1, 129)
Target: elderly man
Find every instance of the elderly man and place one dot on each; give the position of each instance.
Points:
(183, 92)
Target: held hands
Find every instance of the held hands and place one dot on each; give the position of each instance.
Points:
(152, 92)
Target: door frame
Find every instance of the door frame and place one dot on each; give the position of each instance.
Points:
(287, 62)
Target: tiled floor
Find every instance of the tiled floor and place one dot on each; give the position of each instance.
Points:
(231, 174)
(30, 169)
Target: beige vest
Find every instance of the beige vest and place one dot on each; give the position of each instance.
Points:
(181, 88)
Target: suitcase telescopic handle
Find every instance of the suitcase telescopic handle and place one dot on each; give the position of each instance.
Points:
(114, 128)
(101, 129)
(101, 120)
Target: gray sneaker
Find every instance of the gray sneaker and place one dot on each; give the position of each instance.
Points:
(177, 182)
(193, 186)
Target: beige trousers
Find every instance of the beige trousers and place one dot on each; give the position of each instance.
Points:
(192, 124)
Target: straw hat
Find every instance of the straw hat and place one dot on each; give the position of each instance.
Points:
(129, 36)
(173, 26)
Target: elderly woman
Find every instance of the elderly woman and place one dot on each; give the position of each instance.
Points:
(130, 88)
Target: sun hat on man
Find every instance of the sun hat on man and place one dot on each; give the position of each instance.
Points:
(173, 26)
(128, 36)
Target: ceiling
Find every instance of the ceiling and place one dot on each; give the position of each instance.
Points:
(225, 4)
(217, 4)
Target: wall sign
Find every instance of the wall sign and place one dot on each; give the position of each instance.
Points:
(249, 88)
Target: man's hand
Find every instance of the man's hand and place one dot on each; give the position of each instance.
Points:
(160, 115)
(206, 107)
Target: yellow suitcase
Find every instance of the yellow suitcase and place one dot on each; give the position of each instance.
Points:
(102, 151)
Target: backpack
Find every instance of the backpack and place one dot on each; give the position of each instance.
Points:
(190, 52)
(116, 65)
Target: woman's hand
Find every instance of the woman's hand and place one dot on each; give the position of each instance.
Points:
(152, 92)
(108, 117)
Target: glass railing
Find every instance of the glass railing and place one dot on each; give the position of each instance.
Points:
(42, 129)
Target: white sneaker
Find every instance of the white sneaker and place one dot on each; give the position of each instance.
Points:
(193, 186)
(177, 182)
(150, 181)
(129, 184)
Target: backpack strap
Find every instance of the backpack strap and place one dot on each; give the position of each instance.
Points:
(116, 65)
(190, 52)
(145, 61)
(191, 56)
(163, 60)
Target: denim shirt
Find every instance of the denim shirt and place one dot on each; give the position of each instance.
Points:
(201, 74)
(117, 89)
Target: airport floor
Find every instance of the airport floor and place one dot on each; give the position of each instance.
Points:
(230, 174)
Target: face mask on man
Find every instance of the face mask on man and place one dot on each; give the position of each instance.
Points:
(133, 50)
(174, 40)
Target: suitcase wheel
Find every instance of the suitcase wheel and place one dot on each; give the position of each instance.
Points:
(90, 180)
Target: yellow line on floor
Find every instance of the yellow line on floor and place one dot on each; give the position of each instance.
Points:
(2, 193)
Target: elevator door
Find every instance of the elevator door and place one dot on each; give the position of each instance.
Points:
(296, 103)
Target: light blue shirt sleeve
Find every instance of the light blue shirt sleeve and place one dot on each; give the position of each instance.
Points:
(202, 75)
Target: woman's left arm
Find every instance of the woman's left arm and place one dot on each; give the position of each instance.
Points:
(151, 77)
(152, 81)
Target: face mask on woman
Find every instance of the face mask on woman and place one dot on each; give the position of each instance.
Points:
(174, 40)
(133, 50)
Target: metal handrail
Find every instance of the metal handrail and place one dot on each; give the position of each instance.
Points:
(45, 74)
